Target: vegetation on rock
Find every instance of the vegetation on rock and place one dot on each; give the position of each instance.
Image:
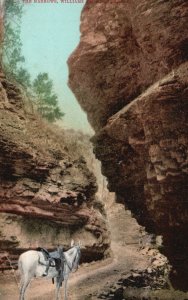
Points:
(40, 90)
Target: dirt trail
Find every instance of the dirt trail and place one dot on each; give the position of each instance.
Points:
(86, 283)
(94, 282)
(95, 277)
(99, 278)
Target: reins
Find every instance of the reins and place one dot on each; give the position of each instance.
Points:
(65, 262)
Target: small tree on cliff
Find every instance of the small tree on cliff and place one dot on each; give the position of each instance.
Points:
(12, 47)
(45, 99)
(41, 90)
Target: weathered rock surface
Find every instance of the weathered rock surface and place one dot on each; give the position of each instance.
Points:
(125, 47)
(129, 73)
(46, 196)
(140, 283)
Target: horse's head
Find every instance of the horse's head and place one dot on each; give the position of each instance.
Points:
(75, 253)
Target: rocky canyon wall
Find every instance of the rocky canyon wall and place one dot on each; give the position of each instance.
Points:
(129, 73)
(47, 196)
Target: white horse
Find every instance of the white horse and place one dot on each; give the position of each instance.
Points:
(32, 263)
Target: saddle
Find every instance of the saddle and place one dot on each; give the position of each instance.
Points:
(55, 259)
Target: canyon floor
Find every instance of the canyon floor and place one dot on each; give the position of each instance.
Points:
(98, 280)
(86, 283)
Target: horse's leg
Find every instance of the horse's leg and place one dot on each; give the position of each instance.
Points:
(21, 279)
(58, 285)
(65, 286)
(21, 288)
(24, 284)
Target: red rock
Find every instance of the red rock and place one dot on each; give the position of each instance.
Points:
(42, 196)
(129, 73)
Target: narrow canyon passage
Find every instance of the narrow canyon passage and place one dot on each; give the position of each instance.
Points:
(129, 75)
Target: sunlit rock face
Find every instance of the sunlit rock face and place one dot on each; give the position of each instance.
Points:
(129, 73)
(125, 47)
(46, 196)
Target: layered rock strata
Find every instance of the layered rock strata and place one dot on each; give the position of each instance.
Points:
(46, 196)
(129, 73)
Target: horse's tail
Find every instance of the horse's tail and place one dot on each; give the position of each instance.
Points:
(20, 267)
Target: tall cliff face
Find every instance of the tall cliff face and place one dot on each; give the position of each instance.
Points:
(124, 48)
(46, 195)
(129, 73)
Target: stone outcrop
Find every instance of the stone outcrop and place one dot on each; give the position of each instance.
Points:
(129, 73)
(46, 195)
(125, 47)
